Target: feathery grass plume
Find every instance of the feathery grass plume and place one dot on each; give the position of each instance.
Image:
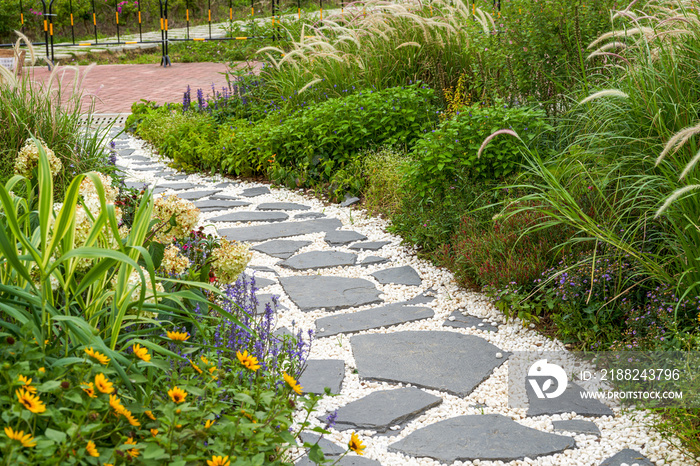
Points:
(606, 47)
(689, 166)
(481, 19)
(493, 135)
(676, 141)
(605, 93)
(405, 44)
(277, 66)
(674, 197)
(309, 84)
(8, 78)
(646, 31)
(490, 18)
(627, 14)
(28, 43)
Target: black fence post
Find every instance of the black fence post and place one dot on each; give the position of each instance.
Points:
(46, 35)
(72, 27)
(209, 17)
(94, 20)
(187, 17)
(51, 15)
(116, 18)
(140, 33)
(165, 60)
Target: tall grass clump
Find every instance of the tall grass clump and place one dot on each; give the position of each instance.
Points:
(375, 44)
(52, 112)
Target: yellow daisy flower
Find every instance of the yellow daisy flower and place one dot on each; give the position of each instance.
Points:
(150, 415)
(31, 402)
(42, 370)
(292, 383)
(141, 352)
(204, 360)
(25, 440)
(178, 336)
(116, 404)
(196, 367)
(208, 424)
(92, 449)
(101, 358)
(249, 362)
(154, 432)
(89, 389)
(103, 384)
(355, 444)
(219, 461)
(177, 394)
(27, 384)
(130, 417)
(133, 452)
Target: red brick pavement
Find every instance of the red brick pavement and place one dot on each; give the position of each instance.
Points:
(116, 87)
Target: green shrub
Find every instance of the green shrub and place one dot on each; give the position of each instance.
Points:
(316, 141)
(449, 153)
(382, 169)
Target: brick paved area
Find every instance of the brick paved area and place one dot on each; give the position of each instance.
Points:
(116, 87)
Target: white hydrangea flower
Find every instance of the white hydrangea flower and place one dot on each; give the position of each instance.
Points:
(230, 260)
(186, 218)
(174, 262)
(28, 158)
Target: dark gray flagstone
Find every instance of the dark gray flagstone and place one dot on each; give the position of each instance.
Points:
(252, 192)
(578, 426)
(263, 300)
(372, 260)
(322, 373)
(340, 237)
(282, 206)
(629, 457)
(465, 321)
(145, 168)
(350, 460)
(176, 177)
(139, 158)
(384, 409)
(196, 195)
(332, 293)
(492, 437)
(260, 282)
(369, 245)
(398, 276)
(126, 152)
(281, 248)
(327, 447)
(224, 197)
(226, 184)
(135, 184)
(349, 201)
(215, 205)
(319, 260)
(423, 297)
(177, 186)
(251, 216)
(262, 268)
(569, 401)
(305, 215)
(280, 230)
(446, 361)
(384, 316)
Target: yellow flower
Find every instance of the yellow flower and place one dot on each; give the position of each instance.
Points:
(103, 384)
(25, 440)
(130, 417)
(204, 360)
(42, 370)
(212, 369)
(150, 415)
(355, 444)
(141, 352)
(208, 424)
(27, 384)
(177, 394)
(88, 388)
(31, 402)
(91, 449)
(219, 461)
(133, 452)
(292, 383)
(154, 432)
(196, 367)
(101, 358)
(178, 336)
(116, 404)
(248, 361)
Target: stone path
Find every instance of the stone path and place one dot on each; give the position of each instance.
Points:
(417, 365)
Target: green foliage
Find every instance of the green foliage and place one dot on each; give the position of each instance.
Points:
(313, 144)
(449, 153)
(382, 169)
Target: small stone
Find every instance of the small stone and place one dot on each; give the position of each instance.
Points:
(451, 318)
(349, 201)
(398, 276)
(252, 192)
(499, 355)
(341, 237)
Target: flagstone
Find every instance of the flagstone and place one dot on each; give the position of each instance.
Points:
(404, 275)
(319, 260)
(311, 292)
(280, 230)
(384, 316)
(281, 248)
(322, 373)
